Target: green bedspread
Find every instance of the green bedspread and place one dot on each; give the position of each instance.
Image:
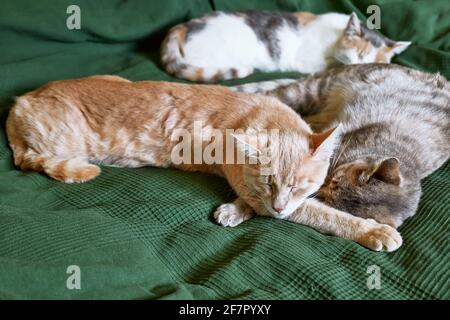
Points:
(148, 233)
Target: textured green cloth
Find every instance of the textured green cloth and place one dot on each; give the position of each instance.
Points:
(148, 233)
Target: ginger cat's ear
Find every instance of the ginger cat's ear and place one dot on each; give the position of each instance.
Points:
(249, 144)
(322, 145)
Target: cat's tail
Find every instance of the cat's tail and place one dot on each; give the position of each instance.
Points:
(173, 60)
(61, 169)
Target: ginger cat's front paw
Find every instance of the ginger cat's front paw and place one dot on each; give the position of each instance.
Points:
(379, 237)
(232, 214)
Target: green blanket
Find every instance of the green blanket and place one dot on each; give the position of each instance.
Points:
(148, 233)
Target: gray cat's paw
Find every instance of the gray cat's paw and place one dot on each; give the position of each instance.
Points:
(380, 237)
(229, 215)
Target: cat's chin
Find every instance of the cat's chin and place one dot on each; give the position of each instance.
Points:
(280, 215)
(290, 209)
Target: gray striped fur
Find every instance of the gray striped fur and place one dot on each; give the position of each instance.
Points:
(392, 116)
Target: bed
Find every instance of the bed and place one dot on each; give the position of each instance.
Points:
(148, 233)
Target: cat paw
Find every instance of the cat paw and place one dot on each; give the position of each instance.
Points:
(380, 237)
(229, 215)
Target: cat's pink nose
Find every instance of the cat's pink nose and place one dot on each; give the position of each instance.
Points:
(278, 209)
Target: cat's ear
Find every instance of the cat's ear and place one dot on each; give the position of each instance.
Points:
(400, 46)
(248, 144)
(388, 171)
(322, 145)
(353, 27)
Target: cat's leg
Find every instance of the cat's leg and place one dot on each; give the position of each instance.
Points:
(366, 232)
(306, 96)
(65, 170)
(233, 213)
(70, 170)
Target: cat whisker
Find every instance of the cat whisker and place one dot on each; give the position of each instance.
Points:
(313, 195)
(341, 152)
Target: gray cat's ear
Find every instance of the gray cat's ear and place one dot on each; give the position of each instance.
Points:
(388, 170)
(400, 46)
(323, 144)
(353, 27)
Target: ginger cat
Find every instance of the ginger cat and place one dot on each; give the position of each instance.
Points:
(66, 128)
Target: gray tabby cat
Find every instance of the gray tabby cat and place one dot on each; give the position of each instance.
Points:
(396, 131)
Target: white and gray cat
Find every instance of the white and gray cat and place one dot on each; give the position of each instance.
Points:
(228, 45)
(396, 131)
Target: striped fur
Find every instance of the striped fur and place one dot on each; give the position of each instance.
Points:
(396, 132)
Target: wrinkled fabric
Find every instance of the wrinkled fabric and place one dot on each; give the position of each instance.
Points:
(148, 233)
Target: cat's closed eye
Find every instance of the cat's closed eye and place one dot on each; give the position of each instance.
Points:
(300, 185)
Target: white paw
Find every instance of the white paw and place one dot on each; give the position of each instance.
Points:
(380, 237)
(229, 215)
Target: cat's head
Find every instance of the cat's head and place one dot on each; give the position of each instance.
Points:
(358, 44)
(294, 167)
(371, 189)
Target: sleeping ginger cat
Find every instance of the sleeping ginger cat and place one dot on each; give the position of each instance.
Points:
(66, 128)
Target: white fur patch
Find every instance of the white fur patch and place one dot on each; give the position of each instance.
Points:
(228, 42)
